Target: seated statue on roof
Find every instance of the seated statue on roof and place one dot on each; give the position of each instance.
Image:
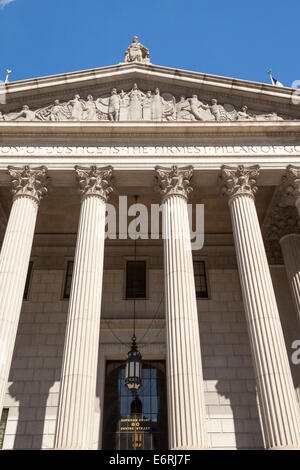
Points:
(136, 52)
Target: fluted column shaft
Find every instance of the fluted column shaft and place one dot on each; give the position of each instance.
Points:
(290, 246)
(277, 399)
(14, 261)
(74, 428)
(297, 204)
(290, 184)
(186, 411)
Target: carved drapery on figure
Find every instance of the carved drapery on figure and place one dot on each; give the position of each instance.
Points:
(138, 105)
(29, 182)
(240, 180)
(136, 52)
(174, 180)
(94, 181)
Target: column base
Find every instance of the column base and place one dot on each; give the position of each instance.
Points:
(192, 447)
(71, 448)
(292, 447)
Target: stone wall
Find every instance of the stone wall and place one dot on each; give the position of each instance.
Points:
(231, 404)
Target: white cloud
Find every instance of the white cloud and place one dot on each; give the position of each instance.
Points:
(3, 3)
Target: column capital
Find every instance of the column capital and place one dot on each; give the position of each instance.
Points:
(290, 182)
(174, 181)
(239, 181)
(280, 222)
(29, 182)
(94, 181)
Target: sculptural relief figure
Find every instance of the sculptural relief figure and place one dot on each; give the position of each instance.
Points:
(90, 109)
(221, 113)
(114, 106)
(268, 117)
(183, 110)
(25, 115)
(244, 115)
(169, 107)
(109, 106)
(218, 111)
(77, 106)
(163, 107)
(136, 52)
(199, 110)
(157, 106)
(135, 103)
(194, 106)
(124, 104)
(58, 112)
(147, 106)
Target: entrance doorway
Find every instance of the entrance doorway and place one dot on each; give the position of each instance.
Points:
(135, 422)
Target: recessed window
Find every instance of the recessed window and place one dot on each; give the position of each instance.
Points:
(136, 280)
(200, 279)
(27, 284)
(68, 280)
(3, 425)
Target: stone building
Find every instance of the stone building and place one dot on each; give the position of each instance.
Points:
(217, 325)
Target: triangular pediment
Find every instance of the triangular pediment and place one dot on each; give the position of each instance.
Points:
(145, 92)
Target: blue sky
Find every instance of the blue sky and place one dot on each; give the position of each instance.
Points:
(230, 38)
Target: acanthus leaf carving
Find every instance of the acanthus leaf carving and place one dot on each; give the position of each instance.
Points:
(29, 182)
(240, 180)
(290, 182)
(281, 220)
(95, 181)
(174, 180)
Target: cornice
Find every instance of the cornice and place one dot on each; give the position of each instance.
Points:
(109, 129)
(97, 75)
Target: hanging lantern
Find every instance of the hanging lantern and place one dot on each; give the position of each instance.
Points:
(133, 373)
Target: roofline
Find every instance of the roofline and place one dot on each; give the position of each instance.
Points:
(198, 78)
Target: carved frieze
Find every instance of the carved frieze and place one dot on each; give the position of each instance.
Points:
(139, 105)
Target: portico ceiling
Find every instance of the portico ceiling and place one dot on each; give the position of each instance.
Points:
(59, 211)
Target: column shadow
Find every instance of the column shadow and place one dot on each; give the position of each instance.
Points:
(35, 388)
(230, 391)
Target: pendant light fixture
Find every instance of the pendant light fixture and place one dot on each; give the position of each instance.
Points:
(133, 372)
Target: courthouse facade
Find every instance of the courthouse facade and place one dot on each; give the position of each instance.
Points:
(217, 325)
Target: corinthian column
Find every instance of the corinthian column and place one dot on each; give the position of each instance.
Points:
(290, 246)
(29, 185)
(290, 241)
(290, 184)
(279, 409)
(186, 412)
(79, 370)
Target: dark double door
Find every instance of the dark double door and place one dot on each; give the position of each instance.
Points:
(135, 422)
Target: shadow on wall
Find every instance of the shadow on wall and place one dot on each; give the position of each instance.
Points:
(230, 393)
(35, 375)
(288, 317)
